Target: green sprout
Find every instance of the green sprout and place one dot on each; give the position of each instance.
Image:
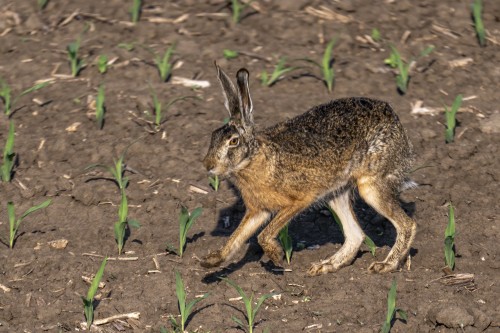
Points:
(214, 182)
(184, 309)
(100, 109)
(376, 35)
(477, 9)
(451, 121)
(449, 241)
(186, 221)
(8, 155)
(88, 302)
(237, 7)
(368, 241)
(15, 223)
(136, 10)
(102, 63)
(326, 66)
(230, 54)
(286, 243)
(42, 4)
(120, 227)
(251, 311)
(157, 106)
(127, 46)
(74, 61)
(403, 76)
(164, 63)
(6, 95)
(117, 171)
(392, 310)
(279, 70)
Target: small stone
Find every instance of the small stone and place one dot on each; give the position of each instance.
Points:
(491, 125)
(428, 133)
(453, 316)
(292, 5)
(85, 194)
(481, 320)
(33, 23)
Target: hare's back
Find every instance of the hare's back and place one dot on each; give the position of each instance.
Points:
(340, 123)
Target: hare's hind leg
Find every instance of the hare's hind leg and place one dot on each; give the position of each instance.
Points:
(248, 226)
(379, 194)
(353, 234)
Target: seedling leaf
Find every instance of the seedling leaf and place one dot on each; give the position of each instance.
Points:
(35, 208)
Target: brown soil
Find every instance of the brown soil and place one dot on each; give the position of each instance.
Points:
(41, 285)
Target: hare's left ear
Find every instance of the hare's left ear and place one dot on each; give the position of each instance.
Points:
(246, 105)
(231, 99)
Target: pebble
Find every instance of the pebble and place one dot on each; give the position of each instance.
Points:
(491, 125)
(451, 316)
(428, 133)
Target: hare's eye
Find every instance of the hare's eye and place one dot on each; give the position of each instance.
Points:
(234, 141)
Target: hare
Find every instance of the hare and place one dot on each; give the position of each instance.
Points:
(322, 154)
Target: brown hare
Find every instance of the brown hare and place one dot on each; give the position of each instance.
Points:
(320, 155)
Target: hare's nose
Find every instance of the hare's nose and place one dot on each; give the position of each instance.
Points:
(207, 163)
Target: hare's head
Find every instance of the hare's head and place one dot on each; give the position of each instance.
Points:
(231, 144)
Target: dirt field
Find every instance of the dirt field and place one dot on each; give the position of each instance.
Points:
(57, 137)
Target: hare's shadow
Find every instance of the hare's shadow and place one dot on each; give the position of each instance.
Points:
(313, 227)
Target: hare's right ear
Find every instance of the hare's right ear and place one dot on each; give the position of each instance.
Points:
(231, 100)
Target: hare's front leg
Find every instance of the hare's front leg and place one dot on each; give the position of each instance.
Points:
(353, 234)
(267, 238)
(250, 223)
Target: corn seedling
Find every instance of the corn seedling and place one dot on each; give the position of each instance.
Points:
(403, 76)
(100, 109)
(42, 4)
(229, 54)
(74, 61)
(120, 227)
(477, 9)
(135, 11)
(164, 63)
(184, 309)
(118, 171)
(157, 107)
(102, 63)
(127, 46)
(6, 95)
(237, 7)
(376, 35)
(286, 243)
(249, 307)
(214, 182)
(392, 310)
(326, 66)
(451, 121)
(279, 70)
(368, 241)
(15, 223)
(449, 240)
(186, 221)
(8, 155)
(88, 302)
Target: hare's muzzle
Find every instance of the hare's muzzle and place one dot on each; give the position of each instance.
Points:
(209, 164)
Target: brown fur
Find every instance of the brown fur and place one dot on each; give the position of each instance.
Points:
(327, 150)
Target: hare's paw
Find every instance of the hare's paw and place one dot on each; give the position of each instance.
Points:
(319, 268)
(382, 267)
(214, 259)
(274, 252)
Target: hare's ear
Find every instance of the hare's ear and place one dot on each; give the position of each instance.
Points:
(246, 105)
(231, 101)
